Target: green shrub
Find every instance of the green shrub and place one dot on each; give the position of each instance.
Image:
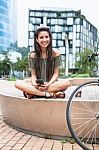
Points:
(80, 75)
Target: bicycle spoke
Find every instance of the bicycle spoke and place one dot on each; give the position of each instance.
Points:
(84, 110)
(90, 131)
(83, 114)
(84, 124)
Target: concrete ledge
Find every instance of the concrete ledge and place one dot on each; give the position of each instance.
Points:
(44, 116)
(75, 81)
(37, 115)
(78, 81)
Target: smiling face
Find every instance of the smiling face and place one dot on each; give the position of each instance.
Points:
(43, 39)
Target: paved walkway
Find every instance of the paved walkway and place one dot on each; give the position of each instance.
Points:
(11, 139)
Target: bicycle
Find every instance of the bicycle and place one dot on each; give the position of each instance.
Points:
(83, 114)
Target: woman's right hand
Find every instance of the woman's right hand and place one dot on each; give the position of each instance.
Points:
(35, 85)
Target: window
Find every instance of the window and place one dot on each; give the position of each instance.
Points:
(66, 28)
(54, 36)
(59, 36)
(61, 21)
(70, 35)
(52, 14)
(30, 48)
(35, 20)
(38, 20)
(3, 4)
(70, 28)
(56, 28)
(48, 21)
(69, 21)
(64, 14)
(78, 28)
(3, 11)
(2, 33)
(54, 43)
(62, 50)
(77, 35)
(35, 27)
(38, 14)
(60, 43)
(77, 20)
(70, 50)
(84, 23)
(1, 26)
(32, 13)
(30, 27)
(53, 29)
(31, 35)
(1, 41)
(77, 43)
(53, 21)
(31, 42)
(1, 47)
(46, 14)
(70, 14)
(32, 20)
(77, 49)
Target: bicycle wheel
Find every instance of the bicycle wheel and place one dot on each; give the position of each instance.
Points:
(83, 115)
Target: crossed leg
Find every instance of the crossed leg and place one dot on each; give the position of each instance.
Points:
(53, 88)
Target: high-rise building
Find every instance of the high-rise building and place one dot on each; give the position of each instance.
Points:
(65, 25)
(7, 23)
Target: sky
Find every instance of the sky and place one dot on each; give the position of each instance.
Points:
(90, 9)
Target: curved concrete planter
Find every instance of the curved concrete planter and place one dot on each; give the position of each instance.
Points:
(37, 115)
(44, 116)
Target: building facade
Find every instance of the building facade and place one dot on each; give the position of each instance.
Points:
(7, 24)
(65, 25)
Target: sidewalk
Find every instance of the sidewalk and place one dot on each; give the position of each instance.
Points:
(11, 139)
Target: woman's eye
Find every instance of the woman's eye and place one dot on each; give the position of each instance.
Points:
(41, 37)
(46, 37)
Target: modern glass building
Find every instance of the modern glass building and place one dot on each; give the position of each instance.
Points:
(65, 25)
(6, 26)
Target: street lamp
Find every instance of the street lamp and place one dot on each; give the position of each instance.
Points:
(65, 37)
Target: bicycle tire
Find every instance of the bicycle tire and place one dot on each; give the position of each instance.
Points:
(83, 127)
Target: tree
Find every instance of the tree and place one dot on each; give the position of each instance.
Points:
(24, 51)
(21, 65)
(83, 64)
(5, 67)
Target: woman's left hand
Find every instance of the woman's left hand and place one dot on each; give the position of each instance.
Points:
(44, 86)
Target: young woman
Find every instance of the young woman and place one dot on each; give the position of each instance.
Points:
(44, 64)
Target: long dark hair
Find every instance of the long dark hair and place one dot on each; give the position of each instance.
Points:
(49, 52)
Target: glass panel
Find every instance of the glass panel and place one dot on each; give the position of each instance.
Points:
(78, 28)
(69, 21)
(77, 42)
(31, 35)
(61, 21)
(60, 43)
(70, 28)
(77, 21)
(70, 35)
(54, 43)
(31, 42)
(54, 36)
(59, 36)
(84, 23)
